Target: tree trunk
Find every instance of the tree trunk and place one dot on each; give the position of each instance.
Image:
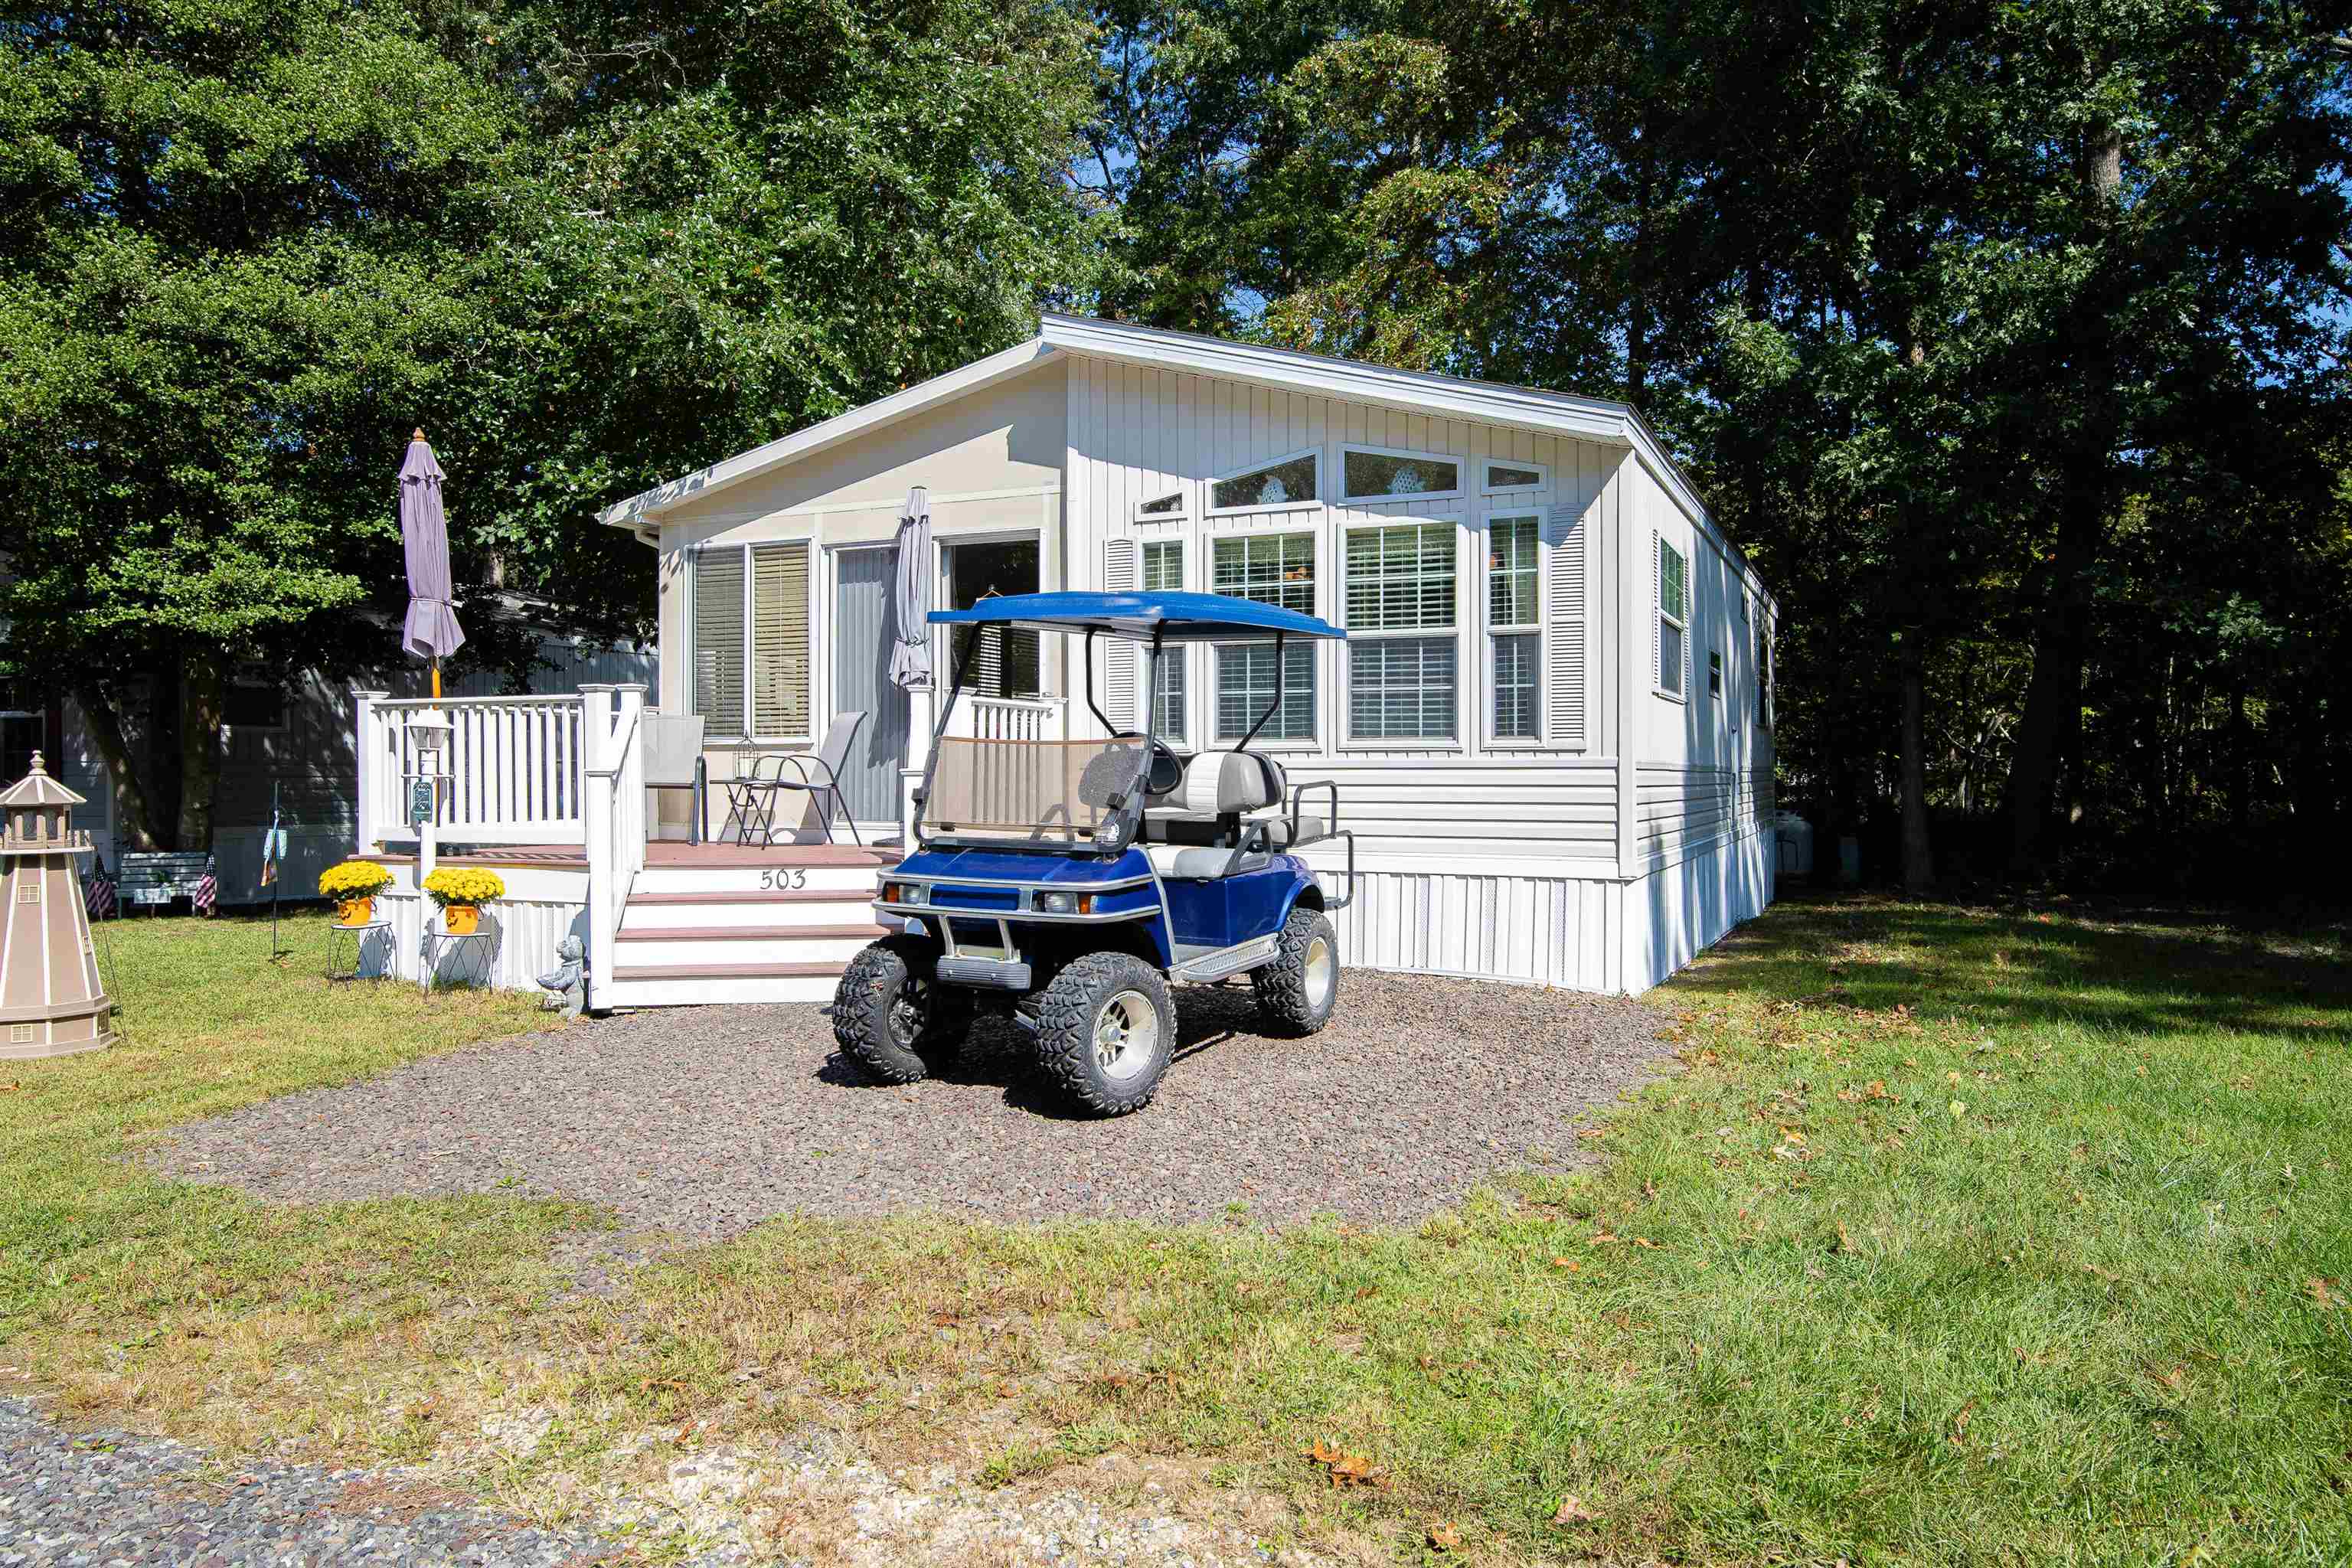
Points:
(1918, 854)
(131, 794)
(204, 691)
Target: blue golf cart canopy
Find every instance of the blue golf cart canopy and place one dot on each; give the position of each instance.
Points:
(1173, 618)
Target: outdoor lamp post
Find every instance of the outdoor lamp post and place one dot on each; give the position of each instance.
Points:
(428, 737)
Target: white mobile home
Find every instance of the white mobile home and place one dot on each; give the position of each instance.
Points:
(1549, 725)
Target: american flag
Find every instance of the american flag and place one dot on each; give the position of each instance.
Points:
(98, 898)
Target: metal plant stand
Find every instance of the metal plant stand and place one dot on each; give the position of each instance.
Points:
(337, 969)
(469, 964)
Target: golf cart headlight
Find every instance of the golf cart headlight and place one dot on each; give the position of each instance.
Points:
(1111, 832)
(904, 893)
(1057, 903)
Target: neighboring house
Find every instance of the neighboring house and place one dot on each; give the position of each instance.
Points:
(294, 734)
(1550, 724)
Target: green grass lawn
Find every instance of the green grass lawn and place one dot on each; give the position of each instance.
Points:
(1962, 1236)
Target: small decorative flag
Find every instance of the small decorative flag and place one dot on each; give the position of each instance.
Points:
(207, 893)
(273, 846)
(99, 897)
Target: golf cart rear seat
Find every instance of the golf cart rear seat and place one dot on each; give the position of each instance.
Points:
(1228, 799)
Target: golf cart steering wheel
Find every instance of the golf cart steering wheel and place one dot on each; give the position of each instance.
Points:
(1166, 771)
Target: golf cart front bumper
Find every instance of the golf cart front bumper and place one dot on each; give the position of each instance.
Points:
(977, 903)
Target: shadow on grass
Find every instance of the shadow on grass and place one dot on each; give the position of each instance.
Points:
(2130, 970)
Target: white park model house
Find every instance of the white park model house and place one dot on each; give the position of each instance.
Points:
(1550, 723)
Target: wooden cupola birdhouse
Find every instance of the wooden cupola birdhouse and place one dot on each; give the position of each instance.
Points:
(51, 1002)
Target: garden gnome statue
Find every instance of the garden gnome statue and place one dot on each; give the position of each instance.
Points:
(51, 1003)
(568, 980)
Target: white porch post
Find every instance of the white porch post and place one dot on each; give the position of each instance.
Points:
(367, 738)
(597, 796)
(922, 712)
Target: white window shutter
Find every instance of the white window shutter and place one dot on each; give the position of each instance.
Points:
(1120, 666)
(1657, 608)
(1564, 626)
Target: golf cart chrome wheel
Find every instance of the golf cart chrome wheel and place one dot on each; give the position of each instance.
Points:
(890, 1018)
(1126, 1034)
(1106, 1029)
(1297, 991)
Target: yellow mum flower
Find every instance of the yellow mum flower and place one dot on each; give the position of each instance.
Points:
(464, 884)
(354, 879)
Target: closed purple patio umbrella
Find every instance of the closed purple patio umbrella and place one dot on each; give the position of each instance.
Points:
(430, 630)
(910, 647)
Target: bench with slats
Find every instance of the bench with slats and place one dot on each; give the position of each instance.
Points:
(156, 876)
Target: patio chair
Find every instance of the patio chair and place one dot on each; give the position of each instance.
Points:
(753, 796)
(674, 760)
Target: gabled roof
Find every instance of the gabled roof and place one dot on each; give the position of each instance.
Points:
(1601, 420)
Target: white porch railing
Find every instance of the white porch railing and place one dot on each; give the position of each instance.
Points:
(511, 773)
(613, 777)
(1009, 718)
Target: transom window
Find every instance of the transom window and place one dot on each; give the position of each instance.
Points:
(1273, 569)
(1282, 482)
(1402, 683)
(1513, 623)
(1673, 618)
(1382, 473)
(1170, 505)
(1516, 476)
(748, 642)
(1163, 573)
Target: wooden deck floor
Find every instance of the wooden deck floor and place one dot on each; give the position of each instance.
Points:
(669, 852)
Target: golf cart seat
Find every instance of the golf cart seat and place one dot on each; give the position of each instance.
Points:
(1205, 819)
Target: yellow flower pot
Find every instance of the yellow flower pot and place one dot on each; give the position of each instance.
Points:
(354, 911)
(462, 918)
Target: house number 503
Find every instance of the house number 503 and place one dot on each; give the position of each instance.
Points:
(770, 881)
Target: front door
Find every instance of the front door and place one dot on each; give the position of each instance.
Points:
(861, 681)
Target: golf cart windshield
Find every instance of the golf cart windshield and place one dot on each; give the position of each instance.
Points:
(1022, 786)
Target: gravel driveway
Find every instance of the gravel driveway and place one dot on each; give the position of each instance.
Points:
(705, 1121)
(109, 1497)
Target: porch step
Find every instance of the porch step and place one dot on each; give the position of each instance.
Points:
(861, 931)
(741, 947)
(838, 879)
(755, 910)
(629, 975)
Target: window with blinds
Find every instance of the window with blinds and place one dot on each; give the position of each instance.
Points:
(1163, 573)
(1514, 638)
(1273, 569)
(716, 647)
(1400, 580)
(750, 640)
(780, 641)
(1672, 584)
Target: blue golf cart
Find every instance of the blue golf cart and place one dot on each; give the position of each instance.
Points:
(1070, 884)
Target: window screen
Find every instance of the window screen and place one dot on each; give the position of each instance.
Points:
(716, 647)
(1402, 688)
(1400, 577)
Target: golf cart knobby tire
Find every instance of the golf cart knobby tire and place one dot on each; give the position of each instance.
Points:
(1282, 989)
(861, 1012)
(1068, 1010)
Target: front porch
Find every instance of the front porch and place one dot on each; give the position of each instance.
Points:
(554, 793)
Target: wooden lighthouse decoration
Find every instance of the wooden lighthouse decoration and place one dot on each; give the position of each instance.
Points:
(51, 1003)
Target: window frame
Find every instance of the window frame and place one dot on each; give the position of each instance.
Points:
(1489, 630)
(1453, 632)
(1209, 487)
(811, 567)
(1389, 497)
(1182, 490)
(1488, 465)
(255, 680)
(1680, 623)
(1212, 689)
(1177, 655)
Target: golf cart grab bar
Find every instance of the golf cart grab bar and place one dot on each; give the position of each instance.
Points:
(1297, 797)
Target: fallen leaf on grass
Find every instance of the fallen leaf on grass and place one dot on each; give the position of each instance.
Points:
(1592, 1133)
(1645, 1241)
(1346, 1470)
(1445, 1537)
(1961, 1424)
(2323, 1291)
(1845, 1241)
(1602, 1238)
(11, 1087)
(1569, 1263)
(1365, 1294)
(1572, 1510)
